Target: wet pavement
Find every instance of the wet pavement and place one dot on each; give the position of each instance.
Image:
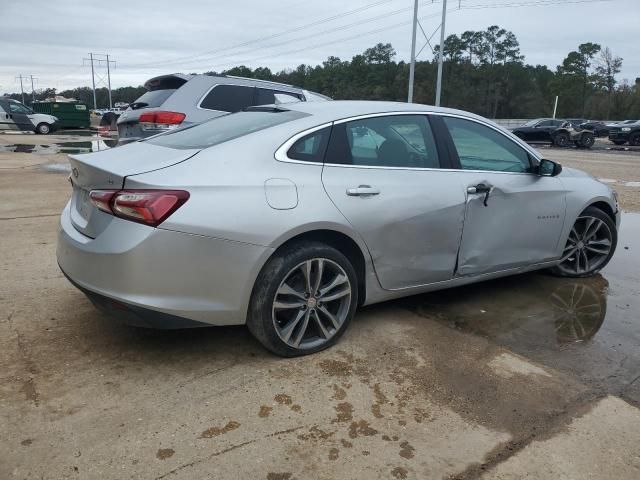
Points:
(588, 328)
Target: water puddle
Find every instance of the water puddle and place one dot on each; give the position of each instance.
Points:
(70, 147)
(589, 327)
(623, 183)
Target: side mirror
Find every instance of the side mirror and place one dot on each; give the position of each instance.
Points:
(549, 168)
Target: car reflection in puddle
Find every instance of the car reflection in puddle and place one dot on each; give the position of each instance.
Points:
(62, 147)
(534, 309)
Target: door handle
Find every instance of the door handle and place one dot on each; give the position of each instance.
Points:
(481, 188)
(362, 191)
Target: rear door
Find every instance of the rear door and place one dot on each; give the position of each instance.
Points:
(513, 216)
(386, 176)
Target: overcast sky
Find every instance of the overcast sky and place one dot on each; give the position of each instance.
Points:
(49, 39)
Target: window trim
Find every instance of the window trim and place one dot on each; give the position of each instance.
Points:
(199, 107)
(281, 152)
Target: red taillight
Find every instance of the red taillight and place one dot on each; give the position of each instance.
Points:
(151, 207)
(162, 118)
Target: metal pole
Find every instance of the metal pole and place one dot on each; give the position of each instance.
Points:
(412, 66)
(93, 81)
(21, 89)
(109, 81)
(441, 55)
(33, 91)
(555, 107)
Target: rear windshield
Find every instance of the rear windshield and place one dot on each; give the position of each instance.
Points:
(224, 128)
(154, 98)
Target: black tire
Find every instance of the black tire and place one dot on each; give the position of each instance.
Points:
(561, 139)
(619, 142)
(587, 140)
(634, 139)
(600, 215)
(43, 129)
(261, 318)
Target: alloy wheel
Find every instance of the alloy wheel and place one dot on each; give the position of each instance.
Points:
(588, 246)
(311, 303)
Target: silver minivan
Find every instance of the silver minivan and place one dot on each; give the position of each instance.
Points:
(179, 100)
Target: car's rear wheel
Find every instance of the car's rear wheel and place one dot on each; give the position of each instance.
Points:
(561, 139)
(303, 299)
(43, 128)
(591, 244)
(634, 139)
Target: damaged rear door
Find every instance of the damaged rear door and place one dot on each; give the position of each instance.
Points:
(513, 216)
(385, 174)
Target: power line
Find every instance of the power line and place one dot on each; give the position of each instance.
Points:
(267, 37)
(323, 32)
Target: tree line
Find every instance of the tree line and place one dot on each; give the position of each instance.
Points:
(484, 72)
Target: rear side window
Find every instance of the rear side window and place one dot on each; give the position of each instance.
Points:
(266, 96)
(154, 98)
(482, 148)
(402, 141)
(224, 128)
(310, 148)
(228, 98)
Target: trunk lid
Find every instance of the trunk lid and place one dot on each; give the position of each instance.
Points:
(107, 170)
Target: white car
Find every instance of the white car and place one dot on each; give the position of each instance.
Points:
(17, 116)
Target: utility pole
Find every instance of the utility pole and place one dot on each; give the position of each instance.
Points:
(21, 88)
(96, 62)
(93, 81)
(33, 90)
(109, 82)
(412, 67)
(441, 53)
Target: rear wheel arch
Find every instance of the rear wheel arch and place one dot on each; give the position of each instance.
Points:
(341, 242)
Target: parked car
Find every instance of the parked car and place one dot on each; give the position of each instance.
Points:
(624, 132)
(182, 100)
(17, 116)
(287, 218)
(555, 131)
(538, 130)
(599, 129)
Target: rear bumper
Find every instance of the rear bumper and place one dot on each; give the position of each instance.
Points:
(150, 271)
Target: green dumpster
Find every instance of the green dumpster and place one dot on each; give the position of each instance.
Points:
(70, 114)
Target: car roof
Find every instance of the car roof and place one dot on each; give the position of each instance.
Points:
(338, 109)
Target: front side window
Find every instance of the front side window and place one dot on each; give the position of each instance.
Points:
(403, 141)
(310, 148)
(228, 98)
(16, 107)
(482, 148)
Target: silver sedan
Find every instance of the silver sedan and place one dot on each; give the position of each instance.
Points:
(287, 218)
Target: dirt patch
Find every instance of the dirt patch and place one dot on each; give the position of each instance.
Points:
(216, 431)
(296, 408)
(399, 473)
(346, 443)
(315, 433)
(164, 453)
(406, 450)
(264, 411)
(283, 399)
(26, 442)
(339, 393)
(334, 453)
(345, 412)
(361, 428)
(336, 368)
(278, 476)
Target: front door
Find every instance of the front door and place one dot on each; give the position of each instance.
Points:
(19, 114)
(385, 175)
(513, 217)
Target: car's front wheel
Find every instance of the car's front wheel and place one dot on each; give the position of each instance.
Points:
(303, 299)
(591, 244)
(43, 128)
